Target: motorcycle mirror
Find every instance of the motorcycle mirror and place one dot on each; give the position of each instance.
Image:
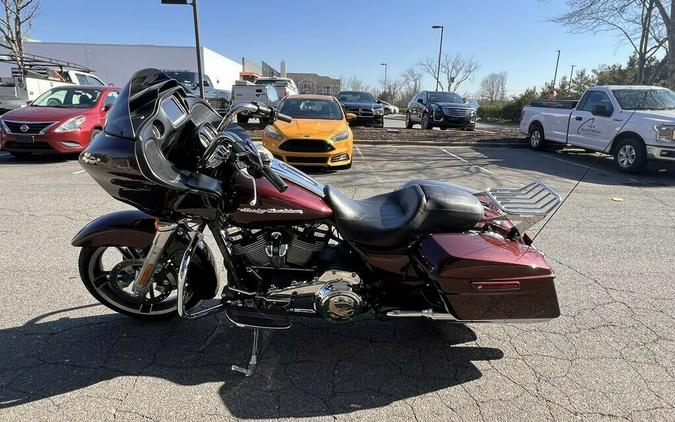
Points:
(272, 93)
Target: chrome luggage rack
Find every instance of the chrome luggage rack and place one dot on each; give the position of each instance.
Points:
(524, 206)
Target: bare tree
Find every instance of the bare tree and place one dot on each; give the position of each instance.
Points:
(14, 24)
(355, 84)
(454, 71)
(412, 83)
(667, 15)
(493, 87)
(637, 21)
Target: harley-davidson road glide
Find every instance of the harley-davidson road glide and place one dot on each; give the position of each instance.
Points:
(291, 246)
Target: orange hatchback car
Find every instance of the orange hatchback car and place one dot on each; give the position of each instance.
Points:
(318, 135)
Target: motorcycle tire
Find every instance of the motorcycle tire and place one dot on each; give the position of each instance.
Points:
(96, 280)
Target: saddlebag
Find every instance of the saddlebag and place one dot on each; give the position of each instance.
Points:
(486, 278)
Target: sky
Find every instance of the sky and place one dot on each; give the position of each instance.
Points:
(348, 38)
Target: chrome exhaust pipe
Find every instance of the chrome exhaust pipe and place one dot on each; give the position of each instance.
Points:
(426, 313)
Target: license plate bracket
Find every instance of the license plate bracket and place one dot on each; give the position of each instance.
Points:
(25, 139)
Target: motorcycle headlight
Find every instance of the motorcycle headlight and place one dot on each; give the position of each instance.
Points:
(341, 136)
(665, 133)
(273, 133)
(71, 124)
(378, 111)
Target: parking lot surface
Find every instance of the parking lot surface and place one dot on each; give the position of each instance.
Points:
(610, 356)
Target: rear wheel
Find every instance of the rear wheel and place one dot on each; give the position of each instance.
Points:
(408, 122)
(630, 155)
(470, 128)
(108, 273)
(536, 137)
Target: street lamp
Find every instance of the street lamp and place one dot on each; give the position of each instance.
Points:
(385, 74)
(197, 44)
(555, 75)
(440, 49)
(572, 73)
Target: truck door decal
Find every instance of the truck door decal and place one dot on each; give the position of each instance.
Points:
(589, 128)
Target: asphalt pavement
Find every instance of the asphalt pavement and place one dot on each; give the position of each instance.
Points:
(610, 356)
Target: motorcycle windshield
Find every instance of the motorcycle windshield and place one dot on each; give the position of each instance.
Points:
(136, 101)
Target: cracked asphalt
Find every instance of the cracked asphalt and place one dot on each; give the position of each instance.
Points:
(610, 356)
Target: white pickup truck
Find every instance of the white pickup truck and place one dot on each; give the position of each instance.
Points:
(632, 123)
(246, 92)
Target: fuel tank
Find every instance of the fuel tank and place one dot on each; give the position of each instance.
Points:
(487, 278)
(296, 204)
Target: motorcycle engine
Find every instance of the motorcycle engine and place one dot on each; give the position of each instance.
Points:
(295, 269)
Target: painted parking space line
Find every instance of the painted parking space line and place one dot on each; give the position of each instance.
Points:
(78, 172)
(469, 162)
(562, 160)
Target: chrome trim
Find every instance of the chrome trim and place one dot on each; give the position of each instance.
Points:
(195, 238)
(294, 175)
(439, 316)
(42, 132)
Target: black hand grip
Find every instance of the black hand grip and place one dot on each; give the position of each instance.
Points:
(263, 108)
(284, 117)
(274, 179)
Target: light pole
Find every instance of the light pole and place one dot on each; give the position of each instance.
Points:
(385, 74)
(572, 73)
(440, 49)
(195, 16)
(555, 75)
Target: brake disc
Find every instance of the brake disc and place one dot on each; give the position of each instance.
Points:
(124, 273)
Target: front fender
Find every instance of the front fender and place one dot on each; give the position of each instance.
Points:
(135, 229)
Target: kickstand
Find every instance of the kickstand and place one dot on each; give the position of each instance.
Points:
(254, 357)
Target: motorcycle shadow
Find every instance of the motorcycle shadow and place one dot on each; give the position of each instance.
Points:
(315, 368)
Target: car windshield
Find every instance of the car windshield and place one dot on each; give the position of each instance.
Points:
(445, 97)
(356, 97)
(303, 108)
(645, 99)
(68, 98)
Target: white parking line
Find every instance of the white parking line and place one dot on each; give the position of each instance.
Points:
(78, 172)
(360, 153)
(469, 162)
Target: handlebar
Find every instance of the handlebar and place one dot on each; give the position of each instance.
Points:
(284, 117)
(274, 178)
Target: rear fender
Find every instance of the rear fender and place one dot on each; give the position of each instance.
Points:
(136, 229)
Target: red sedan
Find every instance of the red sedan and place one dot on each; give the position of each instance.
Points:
(62, 120)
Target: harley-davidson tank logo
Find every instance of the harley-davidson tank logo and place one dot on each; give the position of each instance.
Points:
(270, 211)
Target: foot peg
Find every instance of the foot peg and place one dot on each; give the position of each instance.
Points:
(254, 357)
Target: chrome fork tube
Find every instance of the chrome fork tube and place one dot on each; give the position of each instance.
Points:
(195, 238)
(163, 237)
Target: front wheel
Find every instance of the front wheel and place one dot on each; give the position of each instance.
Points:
(408, 121)
(108, 273)
(426, 122)
(630, 156)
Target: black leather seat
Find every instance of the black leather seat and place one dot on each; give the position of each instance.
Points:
(396, 218)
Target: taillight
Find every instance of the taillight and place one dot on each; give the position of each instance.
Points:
(522, 115)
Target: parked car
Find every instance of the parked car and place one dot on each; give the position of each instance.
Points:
(16, 91)
(440, 109)
(388, 108)
(62, 120)
(364, 106)
(246, 92)
(633, 123)
(319, 134)
(217, 98)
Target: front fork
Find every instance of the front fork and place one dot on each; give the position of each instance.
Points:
(163, 237)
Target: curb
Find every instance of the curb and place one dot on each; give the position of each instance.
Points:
(491, 144)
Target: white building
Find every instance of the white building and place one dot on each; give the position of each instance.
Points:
(115, 63)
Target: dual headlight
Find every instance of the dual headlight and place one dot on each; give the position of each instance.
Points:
(665, 133)
(341, 136)
(273, 133)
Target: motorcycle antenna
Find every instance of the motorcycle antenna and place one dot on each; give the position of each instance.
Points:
(591, 167)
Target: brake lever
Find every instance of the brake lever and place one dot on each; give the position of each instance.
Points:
(244, 172)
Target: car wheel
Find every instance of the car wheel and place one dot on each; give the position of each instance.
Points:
(426, 122)
(630, 155)
(20, 154)
(408, 122)
(379, 124)
(536, 137)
